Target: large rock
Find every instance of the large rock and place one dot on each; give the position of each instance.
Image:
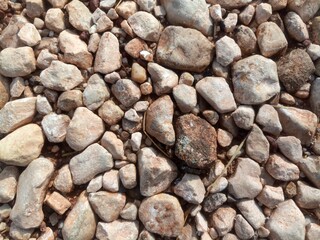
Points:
(79, 15)
(118, 230)
(184, 49)
(156, 172)
(162, 214)
(85, 128)
(17, 62)
(255, 80)
(32, 186)
(81, 222)
(4, 91)
(22, 146)
(198, 150)
(305, 9)
(189, 13)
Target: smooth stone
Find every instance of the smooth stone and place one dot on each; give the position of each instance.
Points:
(307, 197)
(271, 196)
(252, 213)
(268, 119)
(310, 166)
(63, 180)
(290, 147)
(83, 21)
(55, 127)
(223, 220)
(126, 91)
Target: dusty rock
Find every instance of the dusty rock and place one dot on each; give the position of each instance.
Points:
(34, 8)
(128, 176)
(243, 117)
(8, 183)
(268, 119)
(257, 145)
(230, 22)
(281, 169)
(129, 212)
(294, 69)
(55, 127)
(81, 222)
(242, 228)
(85, 128)
(146, 5)
(252, 83)
(263, 12)
(219, 70)
(81, 22)
(47, 234)
(219, 186)
(22, 146)
(271, 39)
(118, 230)
(271, 196)
(83, 170)
(310, 167)
(4, 91)
(191, 50)
(185, 97)
(290, 147)
(214, 201)
(247, 14)
(215, 12)
(252, 213)
(156, 171)
(111, 181)
(222, 220)
(162, 214)
(296, 28)
(95, 184)
(211, 116)
(32, 186)
(126, 91)
(216, 91)
(58, 203)
(5, 210)
(135, 46)
(246, 40)
(54, 20)
(70, 100)
(63, 181)
(286, 221)
(298, 122)
(201, 223)
(110, 113)
(305, 9)
(108, 56)
(29, 35)
(307, 197)
(138, 73)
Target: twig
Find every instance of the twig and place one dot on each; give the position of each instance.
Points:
(118, 4)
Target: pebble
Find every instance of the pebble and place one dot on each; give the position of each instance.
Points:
(132, 115)
(216, 91)
(214, 201)
(268, 119)
(247, 14)
(278, 4)
(63, 180)
(246, 40)
(58, 203)
(83, 171)
(107, 205)
(84, 121)
(307, 197)
(219, 70)
(255, 80)
(286, 221)
(55, 20)
(32, 186)
(295, 26)
(314, 51)
(271, 39)
(135, 141)
(55, 127)
(201, 223)
(135, 46)
(5, 210)
(263, 12)
(271, 196)
(8, 184)
(219, 185)
(191, 50)
(15, 147)
(81, 222)
(29, 35)
(290, 147)
(93, 43)
(42, 105)
(81, 22)
(162, 214)
(138, 73)
(281, 169)
(70, 100)
(230, 236)
(230, 22)
(129, 212)
(252, 213)
(126, 91)
(114, 145)
(222, 220)
(95, 184)
(312, 231)
(211, 116)
(257, 145)
(111, 181)
(127, 9)
(128, 176)
(156, 172)
(243, 117)
(224, 138)
(118, 230)
(159, 120)
(5, 90)
(242, 228)
(110, 113)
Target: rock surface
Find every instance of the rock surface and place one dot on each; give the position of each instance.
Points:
(119, 229)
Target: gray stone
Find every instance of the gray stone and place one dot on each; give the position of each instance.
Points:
(243, 117)
(118, 230)
(311, 168)
(290, 147)
(281, 169)
(242, 228)
(126, 91)
(129, 212)
(55, 127)
(268, 119)
(83, 21)
(246, 40)
(42, 105)
(263, 12)
(214, 201)
(34, 8)
(95, 184)
(247, 14)
(296, 28)
(230, 22)
(307, 197)
(252, 213)
(227, 51)
(8, 184)
(17, 233)
(227, 4)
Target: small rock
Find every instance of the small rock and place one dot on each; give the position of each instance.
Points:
(104, 24)
(246, 40)
(126, 91)
(162, 214)
(222, 220)
(81, 22)
(271, 196)
(291, 148)
(128, 176)
(186, 97)
(201, 223)
(247, 14)
(43, 106)
(114, 145)
(252, 213)
(29, 35)
(305, 9)
(47, 234)
(281, 169)
(45, 58)
(224, 138)
(307, 197)
(132, 115)
(314, 51)
(186, 78)
(110, 113)
(18, 233)
(95, 184)
(5, 210)
(118, 230)
(111, 181)
(278, 4)
(70, 100)
(63, 181)
(312, 231)
(311, 168)
(268, 118)
(215, 12)
(55, 20)
(58, 203)
(243, 117)
(93, 43)
(5, 90)
(296, 28)
(135, 46)
(55, 127)
(314, 98)
(227, 51)
(127, 9)
(220, 185)
(129, 212)
(230, 22)
(214, 201)
(263, 12)
(138, 73)
(136, 141)
(146, 5)
(8, 184)
(211, 116)
(242, 228)
(34, 8)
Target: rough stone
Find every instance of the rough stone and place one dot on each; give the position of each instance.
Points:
(8, 184)
(118, 230)
(129, 212)
(312, 231)
(242, 228)
(55, 127)
(290, 147)
(214, 201)
(63, 181)
(257, 145)
(114, 145)
(296, 28)
(227, 51)
(18, 233)
(222, 220)
(263, 12)
(111, 180)
(230, 22)
(268, 119)
(79, 15)
(42, 105)
(252, 213)
(58, 203)
(247, 14)
(243, 117)
(29, 35)
(281, 169)
(55, 20)
(307, 197)
(70, 100)
(186, 97)
(305, 9)
(4, 91)
(110, 113)
(311, 168)
(246, 40)
(126, 91)
(128, 176)
(271, 196)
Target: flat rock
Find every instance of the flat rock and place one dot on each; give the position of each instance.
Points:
(271, 196)
(281, 169)
(8, 183)
(252, 213)
(286, 222)
(156, 171)
(60, 76)
(85, 128)
(227, 51)
(290, 147)
(222, 220)
(216, 91)
(93, 160)
(79, 15)
(268, 119)
(55, 127)
(162, 214)
(32, 186)
(126, 91)
(307, 197)
(255, 80)
(196, 149)
(17, 62)
(118, 230)
(22, 146)
(311, 168)
(184, 49)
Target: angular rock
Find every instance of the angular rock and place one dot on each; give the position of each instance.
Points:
(63, 181)
(247, 14)
(43, 106)
(126, 91)
(127, 8)
(290, 147)
(196, 149)
(224, 138)
(45, 58)
(252, 213)
(95, 184)
(263, 12)
(55, 127)
(114, 145)
(85, 128)
(34, 8)
(18, 233)
(32, 186)
(311, 168)
(281, 169)
(29, 35)
(222, 220)
(230, 22)
(307, 197)
(312, 231)
(296, 28)
(227, 51)
(214, 201)
(186, 97)
(8, 183)
(111, 181)
(58, 203)
(271, 196)
(110, 113)
(242, 228)
(92, 161)
(128, 176)
(118, 230)
(184, 49)
(79, 15)
(129, 212)
(268, 119)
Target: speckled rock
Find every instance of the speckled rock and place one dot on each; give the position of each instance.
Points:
(307, 197)
(4, 91)
(55, 127)
(252, 213)
(310, 166)
(222, 220)
(290, 147)
(126, 91)
(8, 183)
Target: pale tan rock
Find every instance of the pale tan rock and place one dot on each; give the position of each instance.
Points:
(58, 203)
(55, 127)
(58, 3)
(29, 35)
(110, 113)
(281, 169)
(113, 144)
(128, 176)
(296, 28)
(222, 220)
(70, 100)
(45, 58)
(79, 15)
(4, 91)
(8, 183)
(63, 181)
(127, 9)
(34, 8)
(118, 230)
(54, 20)
(271, 196)
(126, 91)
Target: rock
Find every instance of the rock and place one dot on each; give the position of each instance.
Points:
(214, 201)
(138, 73)
(252, 213)
(294, 69)
(156, 172)
(83, 170)
(60, 76)
(55, 127)
(227, 51)
(81, 222)
(4, 91)
(201, 223)
(312, 231)
(243, 117)
(216, 91)
(81, 22)
(107, 205)
(215, 12)
(252, 83)
(47, 234)
(5, 210)
(315, 30)
(58, 3)
(8, 184)
(227, 123)
(271, 39)
(18, 233)
(164, 80)
(126, 9)
(128, 176)
(45, 58)
(110, 113)
(245, 183)
(286, 221)
(314, 97)
(291, 148)
(220, 185)
(58, 203)
(95, 184)
(268, 119)
(190, 14)
(83, 122)
(108, 56)
(162, 214)
(70, 100)
(271, 196)
(192, 146)
(111, 181)
(17, 62)
(246, 40)
(34, 8)
(42, 105)
(135, 141)
(159, 120)
(184, 49)
(17, 113)
(129, 212)
(211, 116)
(257, 145)
(311, 168)
(63, 181)
(278, 4)
(114, 145)
(224, 138)
(145, 26)
(55, 20)
(32, 186)
(230, 22)
(227, 4)
(296, 28)
(29, 35)
(185, 97)
(247, 14)
(305, 9)
(242, 228)
(222, 220)
(263, 12)
(126, 91)
(308, 197)
(190, 188)
(281, 169)
(15, 148)
(298, 122)
(118, 230)
(314, 51)
(135, 46)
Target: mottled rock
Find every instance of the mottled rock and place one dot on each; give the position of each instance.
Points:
(138, 73)
(271, 196)
(128, 176)
(126, 91)
(55, 127)
(242, 228)
(8, 183)
(186, 97)
(111, 181)
(129, 212)
(4, 91)
(42, 105)
(230, 22)
(110, 113)
(34, 8)
(252, 213)
(278, 4)
(18, 233)
(118, 230)
(281, 169)
(243, 117)
(63, 180)
(246, 40)
(79, 15)
(214, 201)
(224, 138)
(247, 14)
(70, 100)
(227, 51)
(127, 8)
(296, 28)
(114, 145)
(45, 58)
(257, 145)
(290, 147)
(222, 220)
(263, 12)
(268, 119)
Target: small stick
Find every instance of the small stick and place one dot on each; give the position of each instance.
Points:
(118, 4)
